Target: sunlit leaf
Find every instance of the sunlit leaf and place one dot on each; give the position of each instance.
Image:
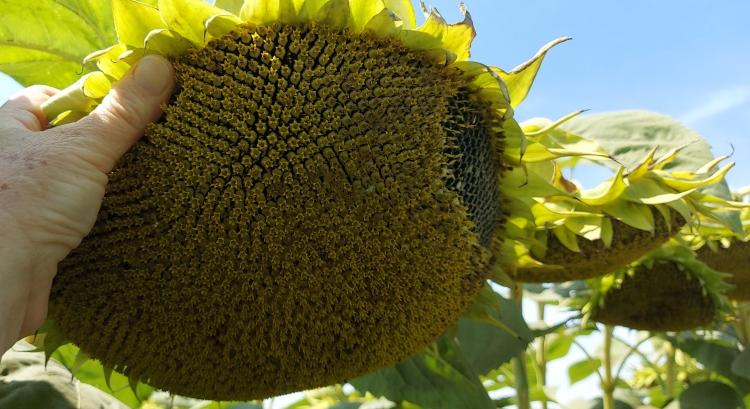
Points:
(492, 332)
(439, 377)
(44, 42)
(583, 369)
(710, 394)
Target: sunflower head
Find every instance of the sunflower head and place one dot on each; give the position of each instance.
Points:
(668, 290)
(320, 199)
(725, 250)
(581, 233)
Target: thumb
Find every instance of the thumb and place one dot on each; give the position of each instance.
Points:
(134, 102)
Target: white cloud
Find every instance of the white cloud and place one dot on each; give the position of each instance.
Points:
(716, 104)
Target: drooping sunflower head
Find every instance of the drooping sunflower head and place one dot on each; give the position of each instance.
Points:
(668, 290)
(572, 233)
(320, 199)
(725, 250)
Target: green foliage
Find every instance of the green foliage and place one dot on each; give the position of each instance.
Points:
(718, 357)
(583, 369)
(709, 394)
(492, 333)
(65, 32)
(439, 377)
(92, 373)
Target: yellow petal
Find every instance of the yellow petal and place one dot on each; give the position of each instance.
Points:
(652, 190)
(187, 18)
(96, 85)
(567, 238)
(710, 166)
(221, 25)
(134, 20)
(437, 33)
(632, 214)
(107, 61)
(362, 12)
(385, 24)
(643, 167)
(335, 13)
(606, 192)
(668, 157)
(587, 227)
(521, 78)
(167, 43)
(263, 12)
(683, 184)
(404, 10)
(232, 6)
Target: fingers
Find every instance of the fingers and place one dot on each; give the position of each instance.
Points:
(36, 308)
(134, 102)
(23, 110)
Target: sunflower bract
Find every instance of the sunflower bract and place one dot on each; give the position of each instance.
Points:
(314, 204)
(595, 257)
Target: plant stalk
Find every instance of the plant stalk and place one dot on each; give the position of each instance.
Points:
(519, 362)
(608, 383)
(742, 324)
(541, 356)
(671, 370)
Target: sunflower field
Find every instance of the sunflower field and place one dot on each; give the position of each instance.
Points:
(339, 208)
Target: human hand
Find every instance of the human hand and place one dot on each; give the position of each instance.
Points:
(52, 182)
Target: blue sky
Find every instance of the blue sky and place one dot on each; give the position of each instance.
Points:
(687, 59)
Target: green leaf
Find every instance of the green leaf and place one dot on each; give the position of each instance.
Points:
(26, 382)
(439, 377)
(709, 394)
(558, 346)
(91, 372)
(44, 42)
(583, 369)
(741, 364)
(492, 332)
(716, 357)
(98, 15)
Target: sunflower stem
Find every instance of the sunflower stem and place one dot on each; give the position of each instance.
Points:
(608, 383)
(742, 324)
(519, 362)
(541, 356)
(671, 375)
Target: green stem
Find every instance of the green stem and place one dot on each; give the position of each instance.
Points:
(541, 356)
(671, 375)
(519, 362)
(646, 360)
(608, 383)
(742, 324)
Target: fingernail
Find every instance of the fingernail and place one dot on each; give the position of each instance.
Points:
(154, 74)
